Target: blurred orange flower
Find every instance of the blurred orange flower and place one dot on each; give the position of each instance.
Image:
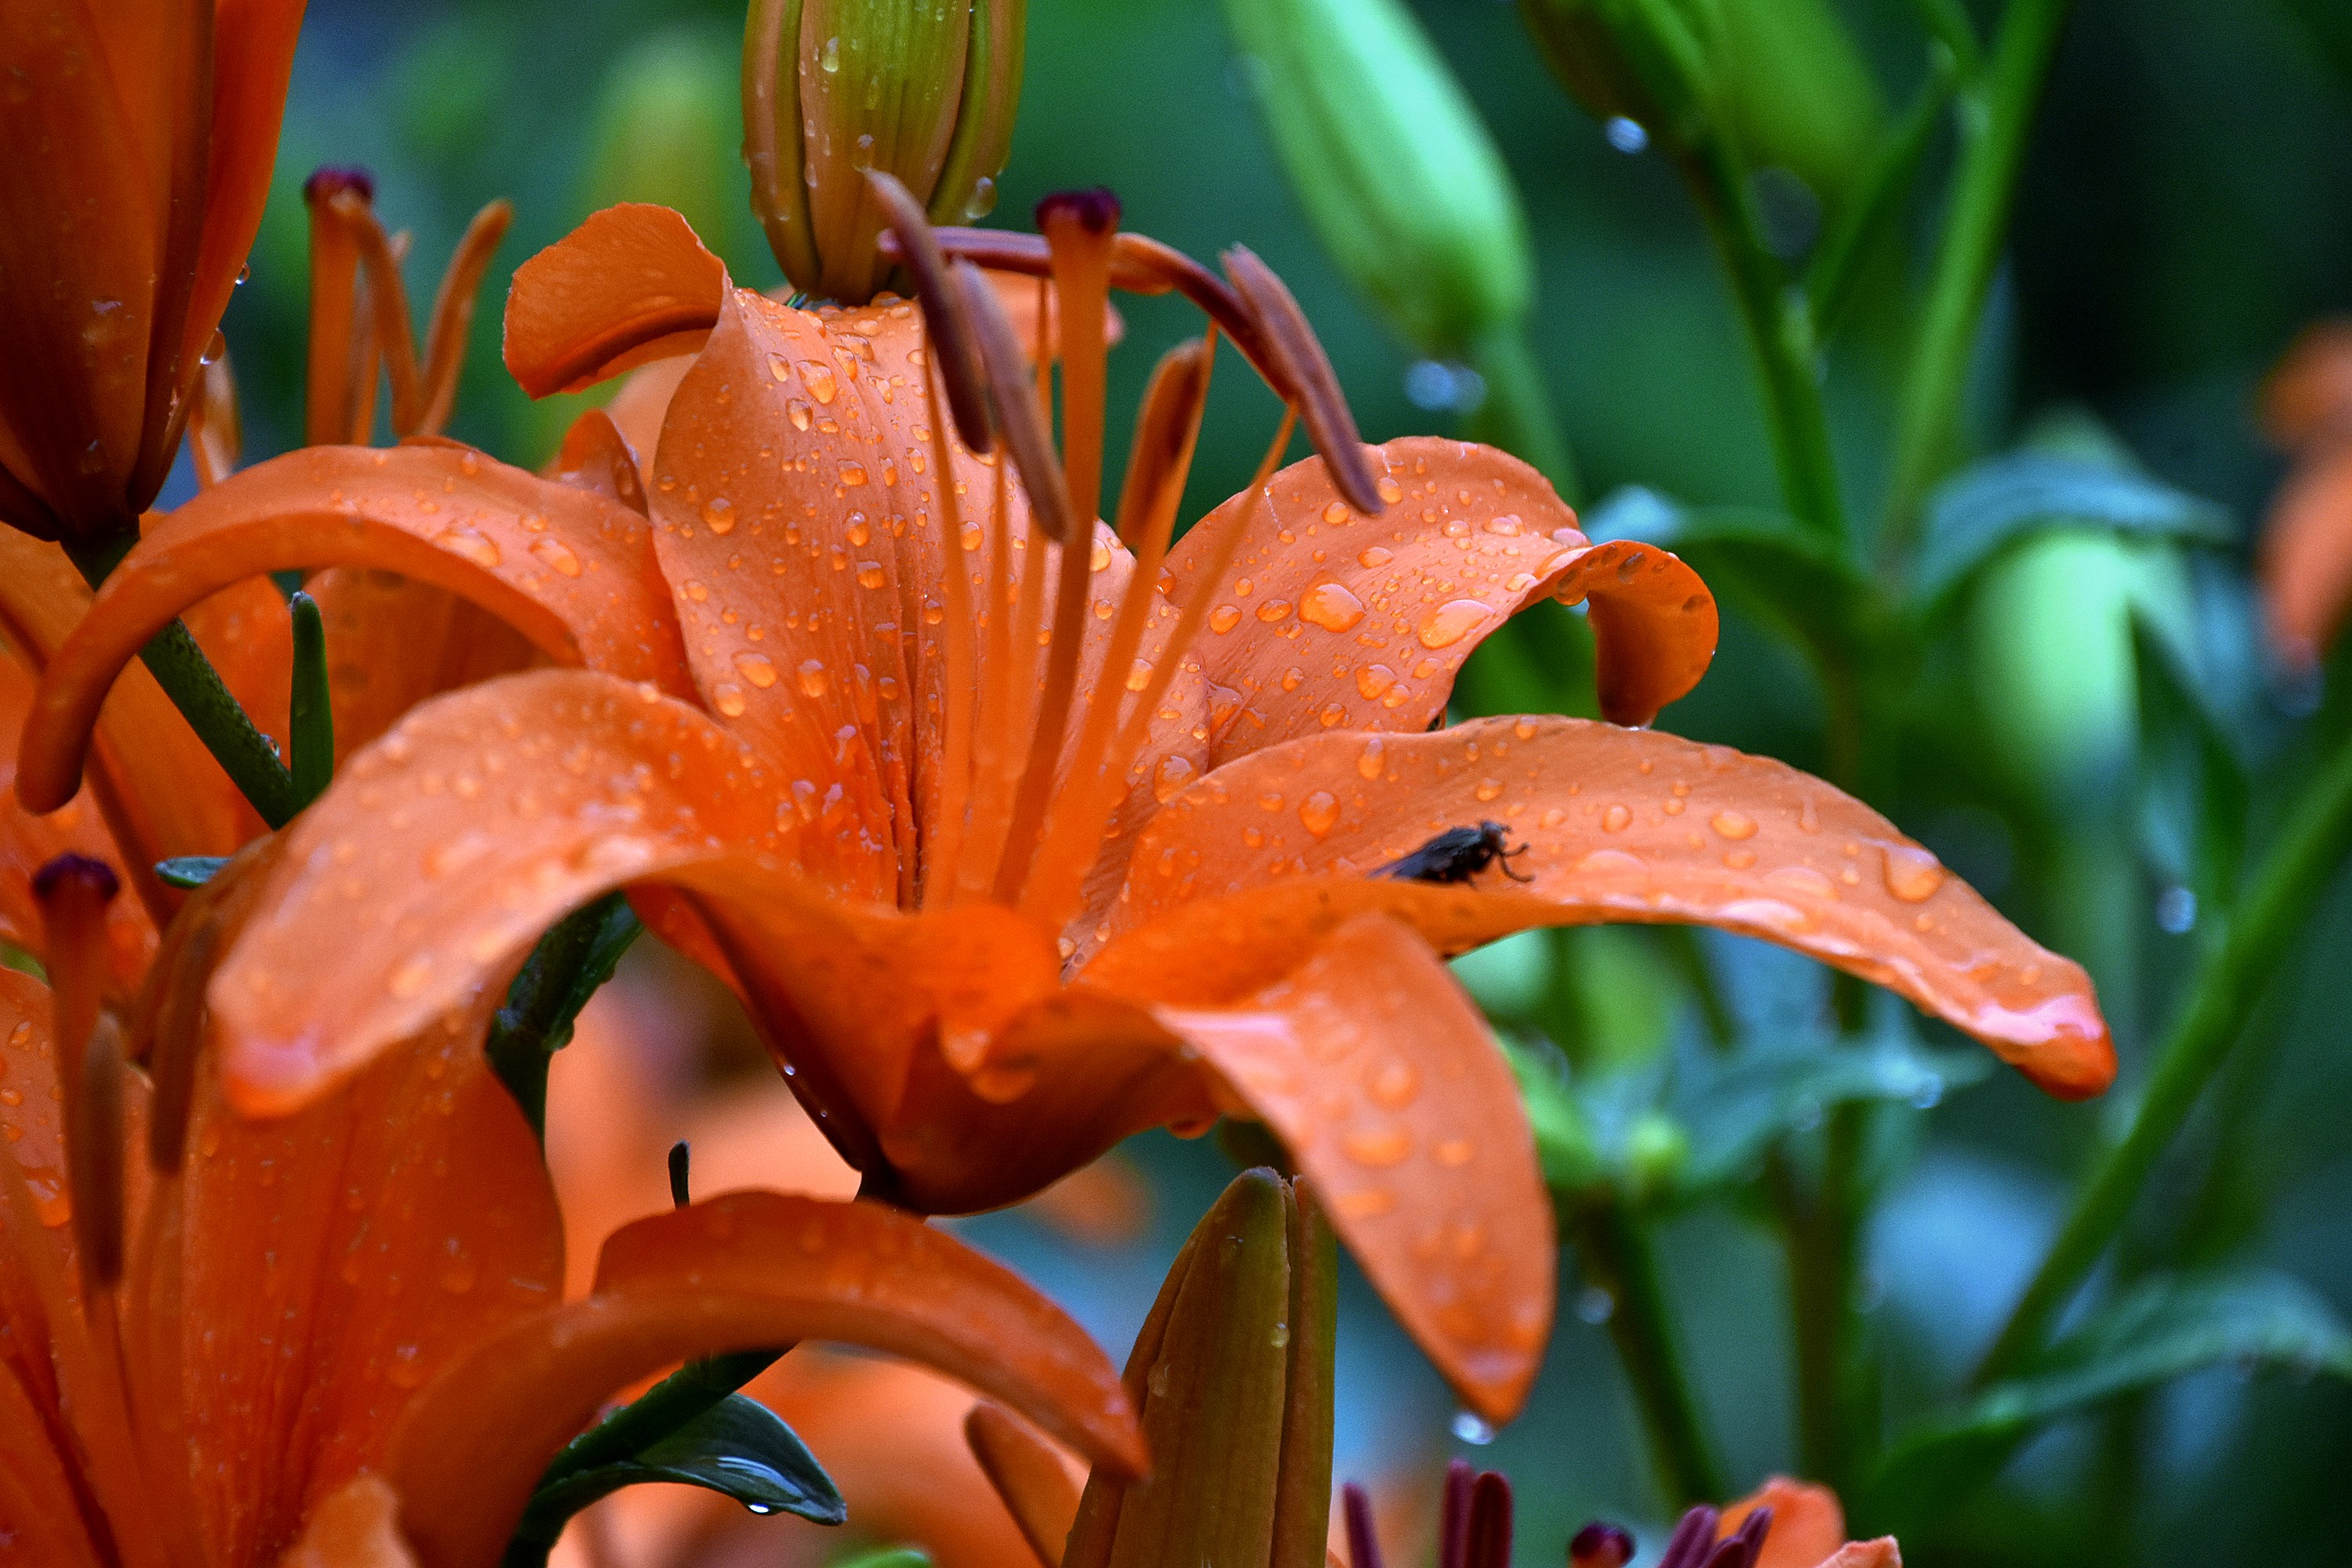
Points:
(2306, 549)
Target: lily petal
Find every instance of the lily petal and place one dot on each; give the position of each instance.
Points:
(630, 285)
(1330, 617)
(392, 642)
(332, 1263)
(357, 1526)
(745, 1270)
(1620, 825)
(441, 852)
(570, 571)
(2306, 557)
(1808, 1522)
(1381, 1080)
(40, 1516)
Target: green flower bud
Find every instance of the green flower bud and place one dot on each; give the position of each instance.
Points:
(1232, 1372)
(833, 87)
(661, 132)
(1398, 174)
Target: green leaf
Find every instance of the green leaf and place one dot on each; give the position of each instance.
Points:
(1985, 508)
(2160, 1329)
(887, 1557)
(1787, 575)
(189, 871)
(736, 1448)
(1734, 1107)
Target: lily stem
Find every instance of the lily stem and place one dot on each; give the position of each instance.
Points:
(1779, 319)
(575, 957)
(196, 690)
(1617, 1257)
(2244, 951)
(1995, 113)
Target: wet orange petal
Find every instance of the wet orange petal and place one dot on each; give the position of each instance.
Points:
(1620, 825)
(40, 1516)
(80, 227)
(1381, 1080)
(334, 1262)
(2306, 557)
(357, 1526)
(160, 792)
(392, 642)
(1882, 1552)
(570, 569)
(747, 1269)
(630, 285)
(1328, 618)
(1808, 1524)
(1029, 1474)
(442, 852)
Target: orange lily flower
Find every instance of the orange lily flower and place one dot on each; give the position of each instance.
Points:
(339, 1336)
(2306, 550)
(141, 154)
(1013, 847)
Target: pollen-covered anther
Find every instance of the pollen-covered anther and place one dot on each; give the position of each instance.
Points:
(1308, 370)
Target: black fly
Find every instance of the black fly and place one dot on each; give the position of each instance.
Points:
(1457, 855)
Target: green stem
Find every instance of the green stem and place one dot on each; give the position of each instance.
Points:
(575, 956)
(1617, 1257)
(1779, 330)
(195, 689)
(1995, 115)
(311, 721)
(2245, 950)
(1517, 414)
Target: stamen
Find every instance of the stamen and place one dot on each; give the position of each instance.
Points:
(1743, 1546)
(1018, 416)
(394, 333)
(1692, 1539)
(94, 1161)
(1308, 369)
(1167, 429)
(1078, 227)
(681, 1192)
(1600, 1545)
(1000, 683)
(1489, 1544)
(952, 348)
(216, 434)
(959, 684)
(1363, 1545)
(175, 1031)
(334, 282)
(74, 892)
(1454, 1515)
(453, 316)
(1027, 1475)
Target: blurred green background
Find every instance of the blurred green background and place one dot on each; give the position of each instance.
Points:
(2187, 206)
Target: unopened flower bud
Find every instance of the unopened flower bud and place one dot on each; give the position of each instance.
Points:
(833, 87)
(1402, 181)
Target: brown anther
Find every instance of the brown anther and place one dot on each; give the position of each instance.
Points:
(1743, 1546)
(1308, 369)
(1096, 210)
(1363, 1545)
(1601, 1545)
(951, 335)
(1693, 1540)
(329, 180)
(1004, 363)
(1454, 1515)
(1489, 1542)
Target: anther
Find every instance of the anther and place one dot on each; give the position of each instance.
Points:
(1363, 1546)
(1293, 344)
(1454, 1515)
(1743, 1546)
(329, 180)
(1005, 362)
(1096, 210)
(951, 334)
(1489, 1544)
(1600, 1545)
(1692, 1541)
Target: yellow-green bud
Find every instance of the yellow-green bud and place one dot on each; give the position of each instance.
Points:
(833, 87)
(661, 132)
(1232, 1372)
(1397, 173)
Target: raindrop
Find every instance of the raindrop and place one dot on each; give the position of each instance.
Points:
(1912, 873)
(557, 554)
(1375, 556)
(1595, 1305)
(719, 512)
(759, 1508)
(1929, 1092)
(1452, 621)
(830, 60)
(1616, 819)
(244, 275)
(2176, 910)
(813, 681)
(214, 346)
(1441, 387)
(870, 575)
(1224, 617)
(1320, 811)
(1470, 1428)
(1626, 136)
(756, 668)
(1734, 824)
(1330, 606)
(1806, 1114)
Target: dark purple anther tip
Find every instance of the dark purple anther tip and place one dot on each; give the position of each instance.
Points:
(1600, 1545)
(79, 873)
(1096, 210)
(330, 180)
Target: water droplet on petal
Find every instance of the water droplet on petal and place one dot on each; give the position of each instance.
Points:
(1734, 824)
(1452, 621)
(719, 514)
(1224, 619)
(1912, 873)
(557, 554)
(1331, 606)
(1616, 819)
(813, 677)
(727, 698)
(1320, 811)
(1374, 758)
(1469, 1428)
(1375, 556)
(1379, 1147)
(1173, 775)
(758, 668)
